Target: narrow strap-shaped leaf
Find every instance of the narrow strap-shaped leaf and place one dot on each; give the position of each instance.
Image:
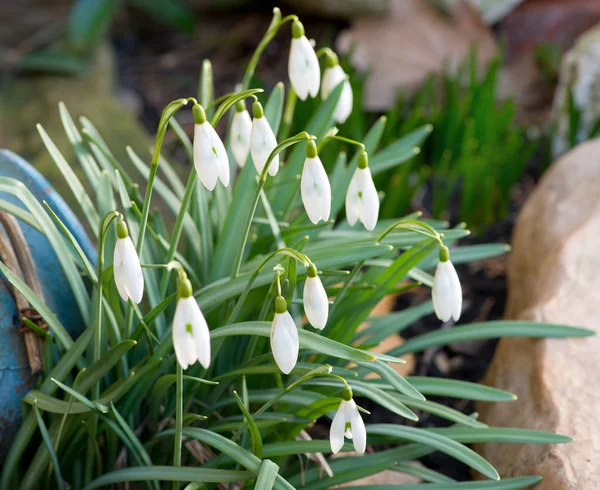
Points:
(87, 162)
(102, 366)
(459, 389)
(469, 435)
(49, 446)
(234, 451)
(439, 442)
(257, 444)
(57, 242)
(72, 180)
(504, 484)
(489, 330)
(169, 473)
(393, 378)
(308, 340)
(267, 475)
(49, 317)
(420, 471)
(399, 151)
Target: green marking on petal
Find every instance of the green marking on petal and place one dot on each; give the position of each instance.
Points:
(188, 328)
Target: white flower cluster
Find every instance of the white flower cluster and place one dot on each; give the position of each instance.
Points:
(254, 136)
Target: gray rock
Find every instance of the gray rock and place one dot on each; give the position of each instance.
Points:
(580, 75)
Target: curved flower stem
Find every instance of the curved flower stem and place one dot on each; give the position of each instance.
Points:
(178, 421)
(163, 124)
(324, 51)
(326, 140)
(324, 370)
(167, 114)
(290, 252)
(191, 183)
(102, 241)
(274, 26)
(303, 136)
(232, 100)
(415, 226)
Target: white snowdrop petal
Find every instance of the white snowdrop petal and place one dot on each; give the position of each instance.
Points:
(343, 109)
(303, 68)
(183, 341)
(353, 200)
(219, 149)
(241, 127)
(316, 303)
(129, 277)
(262, 143)
(200, 333)
(369, 210)
(332, 77)
(456, 292)
(337, 429)
(206, 159)
(359, 432)
(316, 190)
(446, 293)
(284, 341)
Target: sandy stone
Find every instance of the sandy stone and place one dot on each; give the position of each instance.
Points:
(553, 277)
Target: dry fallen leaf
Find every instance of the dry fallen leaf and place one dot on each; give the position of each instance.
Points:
(413, 41)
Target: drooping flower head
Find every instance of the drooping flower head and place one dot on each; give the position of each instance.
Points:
(446, 292)
(241, 127)
(284, 337)
(262, 141)
(316, 302)
(314, 186)
(303, 64)
(191, 337)
(127, 269)
(348, 422)
(362, 202)
(333, 75)
(210, 158)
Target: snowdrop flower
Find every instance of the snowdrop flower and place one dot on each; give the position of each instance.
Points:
(262, 141)
(303, 65)
(241, 125)
(316, 303)
(362, 202)
(191, 337)
(348, 422)
(333, 75)
(284, 337)
(446, 292)
(126, 267)
(210, 157)
(314, 186)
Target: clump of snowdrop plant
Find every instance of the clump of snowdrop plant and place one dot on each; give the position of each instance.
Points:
(254, 281)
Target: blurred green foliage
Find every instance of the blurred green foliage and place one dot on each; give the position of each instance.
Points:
(474, 156)
(89, 21)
